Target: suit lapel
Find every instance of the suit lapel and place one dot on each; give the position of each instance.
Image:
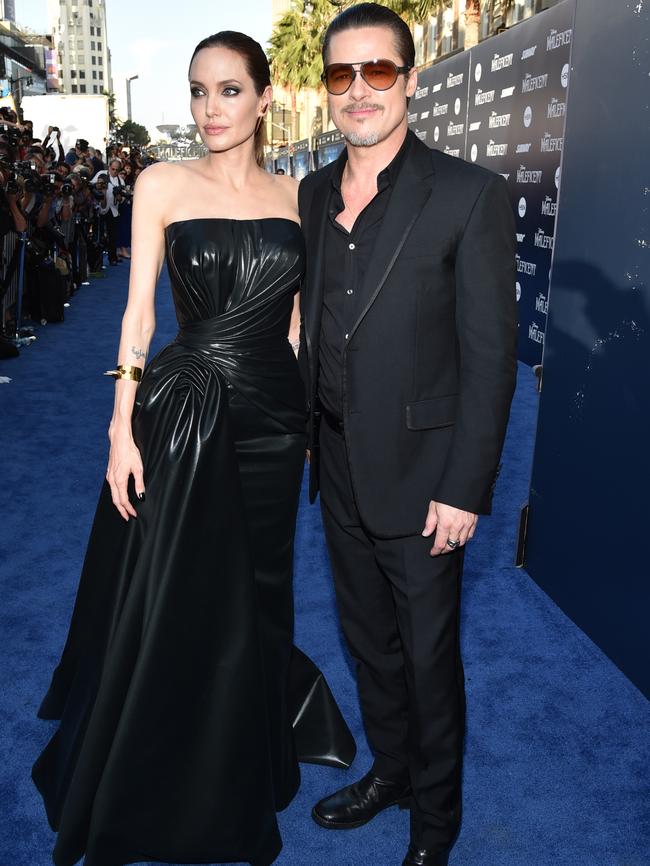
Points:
(313, 286)
(409, 195)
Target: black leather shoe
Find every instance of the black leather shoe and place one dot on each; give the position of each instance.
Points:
(416, 856)
(357, 804)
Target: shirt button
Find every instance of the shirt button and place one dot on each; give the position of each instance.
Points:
(351, 246)
(349, 292)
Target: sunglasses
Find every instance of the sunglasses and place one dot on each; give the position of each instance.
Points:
(379, 74)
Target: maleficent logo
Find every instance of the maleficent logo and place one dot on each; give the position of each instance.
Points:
(523, 267)
(556, 40)
(482, 97)
(555, 108)
(549, 207)
(501, 62)
(534, 82)
(550, 143)
(499, 120)
(528, 175)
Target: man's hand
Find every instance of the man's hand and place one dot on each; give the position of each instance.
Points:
(450, 524)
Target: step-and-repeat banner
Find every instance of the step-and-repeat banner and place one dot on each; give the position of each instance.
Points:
(502, 104)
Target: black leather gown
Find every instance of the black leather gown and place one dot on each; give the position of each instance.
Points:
(175, 741)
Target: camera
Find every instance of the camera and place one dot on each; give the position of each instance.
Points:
(122, 193)
(12, 186)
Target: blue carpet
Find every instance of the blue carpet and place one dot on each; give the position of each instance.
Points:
(556, 769)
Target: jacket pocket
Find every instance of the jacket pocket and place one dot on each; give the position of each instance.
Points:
(429, 414)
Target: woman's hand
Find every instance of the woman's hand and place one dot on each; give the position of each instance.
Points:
(124, 460)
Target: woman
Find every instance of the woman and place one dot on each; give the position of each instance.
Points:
(175, 740)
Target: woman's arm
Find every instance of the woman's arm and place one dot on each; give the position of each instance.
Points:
(138, 325)
(294, 325)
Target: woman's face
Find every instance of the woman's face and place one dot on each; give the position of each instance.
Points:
(224, 103)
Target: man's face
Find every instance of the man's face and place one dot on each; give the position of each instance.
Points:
(364, 115)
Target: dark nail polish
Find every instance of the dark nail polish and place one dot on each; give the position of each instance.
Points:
(141, 497)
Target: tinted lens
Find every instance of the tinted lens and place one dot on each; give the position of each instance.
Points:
(380, 74)
(338, 78)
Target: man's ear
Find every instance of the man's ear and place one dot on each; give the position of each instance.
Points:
(412, 82)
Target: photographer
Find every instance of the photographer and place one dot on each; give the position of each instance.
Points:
(11, 216)
(79, 154)
(53, 140)
(115, 193)
(12, 219)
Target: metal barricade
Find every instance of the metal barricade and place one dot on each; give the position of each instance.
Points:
(12, 283)
(9, 275)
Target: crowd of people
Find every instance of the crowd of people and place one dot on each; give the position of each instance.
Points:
(73, 208)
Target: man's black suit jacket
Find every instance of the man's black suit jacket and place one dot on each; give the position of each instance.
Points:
(429, 367)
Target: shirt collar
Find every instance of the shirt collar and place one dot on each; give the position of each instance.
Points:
(386, 176)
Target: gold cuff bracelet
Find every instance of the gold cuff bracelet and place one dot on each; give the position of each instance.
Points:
(126, 371)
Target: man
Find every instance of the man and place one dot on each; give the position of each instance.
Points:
(409, 349)
(77, 154)
(112, 212)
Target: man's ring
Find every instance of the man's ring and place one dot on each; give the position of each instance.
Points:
(453, 544)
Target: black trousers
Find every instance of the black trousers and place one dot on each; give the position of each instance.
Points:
(399, 610)
(111, 235)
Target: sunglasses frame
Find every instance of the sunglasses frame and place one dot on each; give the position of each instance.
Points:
(399, 70)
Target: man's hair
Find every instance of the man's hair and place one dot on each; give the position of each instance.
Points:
(373, 15)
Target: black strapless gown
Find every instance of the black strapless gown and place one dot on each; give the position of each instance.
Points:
(175, 742)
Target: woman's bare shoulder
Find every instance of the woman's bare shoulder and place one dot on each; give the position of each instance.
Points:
(287, 186)
(161, 173)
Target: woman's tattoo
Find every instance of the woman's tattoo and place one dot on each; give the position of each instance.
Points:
(138, 352)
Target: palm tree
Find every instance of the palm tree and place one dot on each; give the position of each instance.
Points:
(295, 46)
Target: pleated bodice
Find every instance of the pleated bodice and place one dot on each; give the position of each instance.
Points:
(233, 283)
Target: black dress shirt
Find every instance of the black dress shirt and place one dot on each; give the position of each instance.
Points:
(347, 255)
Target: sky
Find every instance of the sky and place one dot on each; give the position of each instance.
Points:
(156, 40)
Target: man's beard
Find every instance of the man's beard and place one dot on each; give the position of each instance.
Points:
(360, 139)
(363, 139)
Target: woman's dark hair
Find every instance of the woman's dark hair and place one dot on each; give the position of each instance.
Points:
(373, 15)
(256, 64)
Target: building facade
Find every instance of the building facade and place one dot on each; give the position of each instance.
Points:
(79, 34)
(24, 61)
